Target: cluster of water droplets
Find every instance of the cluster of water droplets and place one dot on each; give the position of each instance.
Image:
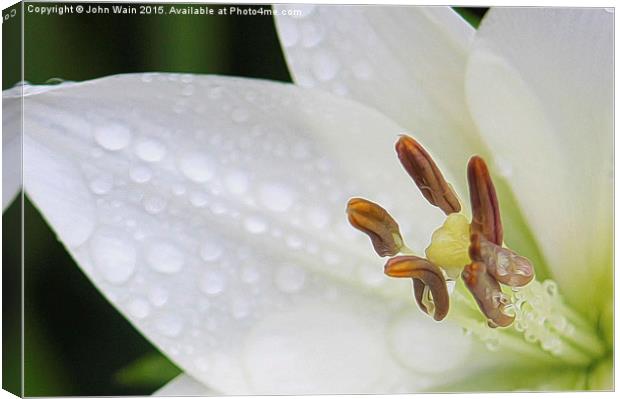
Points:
(539, 316)
(317, 63)
(187, 213)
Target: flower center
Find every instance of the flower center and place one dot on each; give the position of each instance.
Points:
(472, 255)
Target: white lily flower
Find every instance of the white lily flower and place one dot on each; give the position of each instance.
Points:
(210, 210)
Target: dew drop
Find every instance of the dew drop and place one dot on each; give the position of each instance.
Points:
(287, 31)
(218, 209)
(113, 254)
(140, 174)
(210, 251)
(199, 199)
(294, 242)
(112, 137)
(197, 167)
(290, 278)
(102, 184)
(213, 283)
(312, 34)
(164, 257)
(215, 92)
(169, 325)
(202, 364)
(236, 182)
(504, 167)
(158, 296)
(188, 90)
(276, 197)
(139, 308)
(178, 189)
(318, 217)
(154, 204)
(551, 288)
(255, 225)
(324, 66)
(250, 274)
(150, 150)
(371, 276)
(240, 308)
(492, 345)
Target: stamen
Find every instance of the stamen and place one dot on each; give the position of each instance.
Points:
(485, 207)
(488, 294)
(429, 285)
(426, 175)
(505, 265)
(377, 223)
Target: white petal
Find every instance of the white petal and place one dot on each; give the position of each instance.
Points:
(184, 385)
(210, 211)
(11, 146)
(407, 62)
(540, 86)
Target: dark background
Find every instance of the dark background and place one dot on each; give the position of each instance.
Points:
(75, 343)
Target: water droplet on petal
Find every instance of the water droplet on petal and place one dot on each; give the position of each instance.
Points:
(213, 283)
(290, 278)
(164, 257)
(102, 184)
(250, 274)
(255, 225)
(140, 174)
(294, 242)
(276, 197)
(113, 254)
(158, 296)
(199, 199)
(150, 150)
(155, 204)
(112, 137)
(169, 325)
(188, 90)
(287, 32)
(325, 66)
(197, 167)
(504, 167)
(240, 308)
(202, 364)
(318, 217)
(178, 189)
(139, 308)
(210, 251)
(215, 92)
(312, 34)
(237, 182)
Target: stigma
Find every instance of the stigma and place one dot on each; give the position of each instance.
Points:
(470, 249)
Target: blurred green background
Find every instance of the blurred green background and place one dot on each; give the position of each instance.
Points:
(75, 343)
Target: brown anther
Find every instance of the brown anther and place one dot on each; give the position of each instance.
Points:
(377, 223)
(485, 207)
(505, 265)
(486, 290)
(426, 175)
(429, 285)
